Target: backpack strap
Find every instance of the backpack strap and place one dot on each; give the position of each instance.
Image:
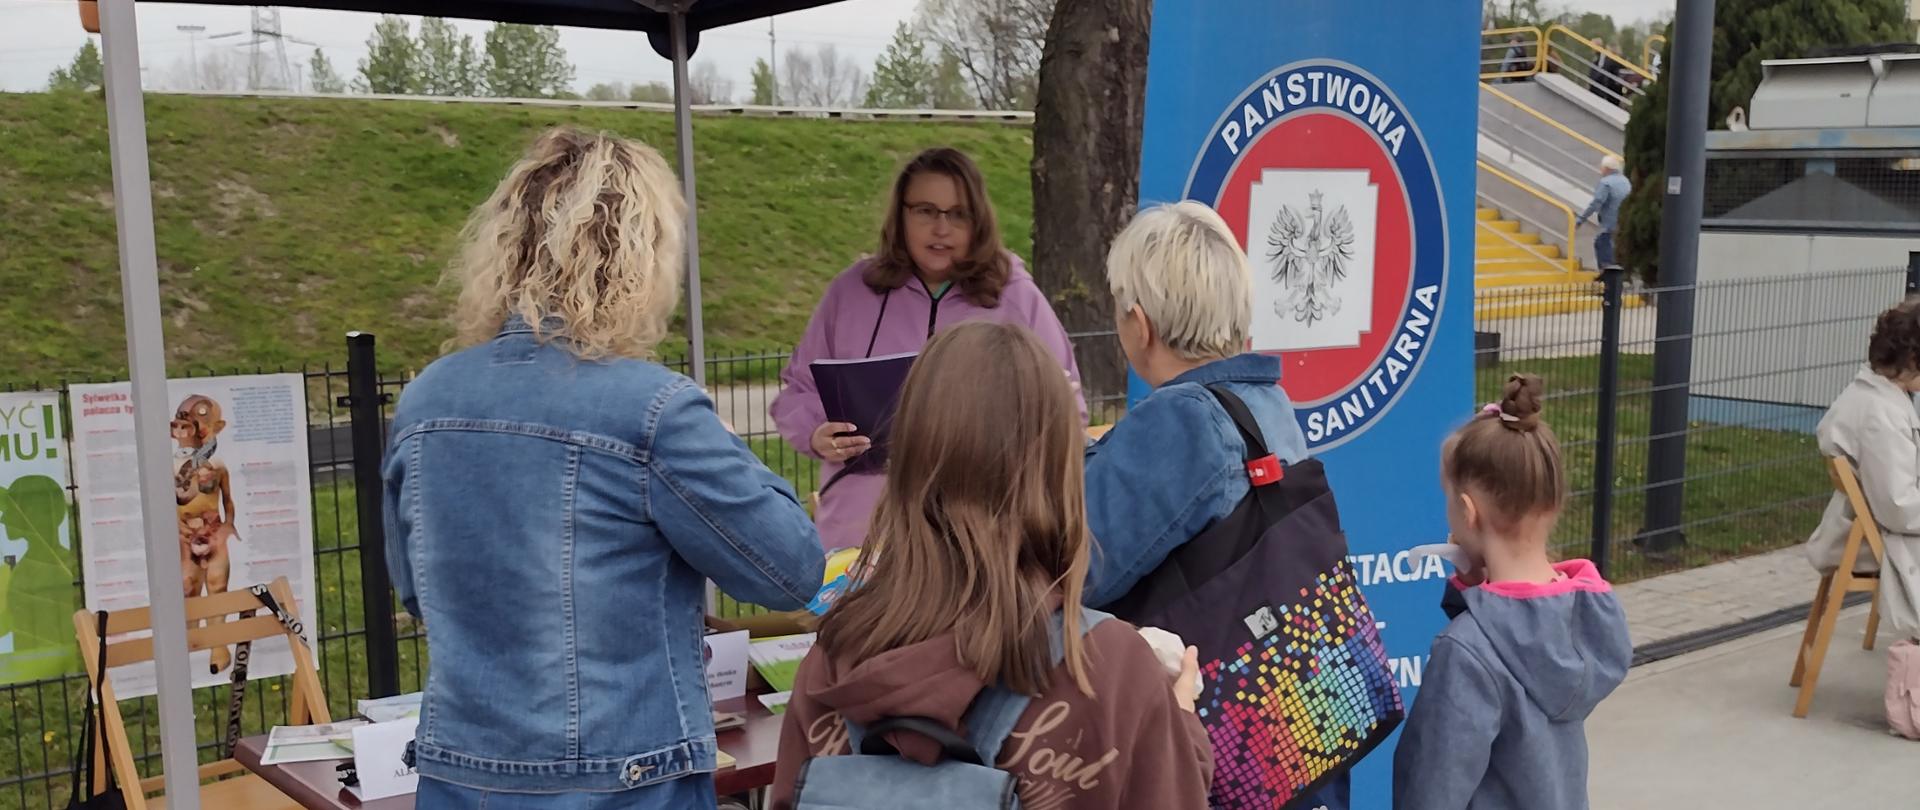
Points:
(997, 710)
(990, 720)
(1263, 467)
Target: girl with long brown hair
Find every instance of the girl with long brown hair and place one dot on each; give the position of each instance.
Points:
(974, 573)
(940, 262)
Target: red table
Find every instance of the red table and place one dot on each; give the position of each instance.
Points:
(316, 785)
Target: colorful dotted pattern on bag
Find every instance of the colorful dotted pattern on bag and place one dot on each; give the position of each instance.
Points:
(1301, 701)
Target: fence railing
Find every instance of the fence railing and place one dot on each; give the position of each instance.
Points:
(1767, 355)
(1565, 231)
(1603, 72)
(1511, 54)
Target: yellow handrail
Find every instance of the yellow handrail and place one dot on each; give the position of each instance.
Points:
(1572, 260)
(1495, 41)
(1522, 106)
(1597, 49)
(1647, 50)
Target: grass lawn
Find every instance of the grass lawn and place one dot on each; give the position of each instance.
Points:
(1749, 488)
(284, 223)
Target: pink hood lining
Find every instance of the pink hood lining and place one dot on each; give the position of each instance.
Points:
(1575, 576)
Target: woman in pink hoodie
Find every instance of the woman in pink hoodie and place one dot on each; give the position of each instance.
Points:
(940, 263)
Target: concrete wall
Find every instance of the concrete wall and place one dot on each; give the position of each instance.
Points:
(1783, 319)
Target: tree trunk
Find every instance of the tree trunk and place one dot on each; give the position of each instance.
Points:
(1087, 124)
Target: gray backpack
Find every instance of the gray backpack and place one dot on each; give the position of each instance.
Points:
(876, 777)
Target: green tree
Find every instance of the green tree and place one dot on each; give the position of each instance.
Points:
(449, 65)
(84, 73)
(1592, 25)
(655, 92)
(322, 75)
(392, 64)
(1518, 13)
(603, 91)
(950, 85)
(763, 86)
(526, 61)
(1745, 33)
(903, 76)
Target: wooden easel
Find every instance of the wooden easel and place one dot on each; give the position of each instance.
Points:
(1836, 584)
(228, 785)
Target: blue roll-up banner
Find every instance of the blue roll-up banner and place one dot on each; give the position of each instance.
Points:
(1338, 140)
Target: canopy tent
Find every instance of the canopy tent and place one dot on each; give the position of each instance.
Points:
(673, 28)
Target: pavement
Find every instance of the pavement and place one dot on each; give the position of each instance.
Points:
(1715, 729)
(1687, 602)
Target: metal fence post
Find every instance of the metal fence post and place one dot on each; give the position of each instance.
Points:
(364, 402)
(1607, 427)
(1913, 272)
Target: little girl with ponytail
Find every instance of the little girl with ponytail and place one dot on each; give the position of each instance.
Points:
(1534, 645)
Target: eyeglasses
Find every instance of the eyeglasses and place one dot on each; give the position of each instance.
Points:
(928, 213)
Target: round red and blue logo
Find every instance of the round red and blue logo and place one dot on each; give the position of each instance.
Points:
(1327, 182)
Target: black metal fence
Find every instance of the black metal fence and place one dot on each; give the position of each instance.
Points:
(1766, 355)
(365, 645)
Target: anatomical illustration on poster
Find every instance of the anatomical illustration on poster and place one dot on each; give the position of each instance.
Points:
(242, 503)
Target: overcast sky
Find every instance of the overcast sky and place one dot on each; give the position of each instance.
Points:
(38, 36)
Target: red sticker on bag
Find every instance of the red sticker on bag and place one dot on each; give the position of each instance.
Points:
(1264, 471)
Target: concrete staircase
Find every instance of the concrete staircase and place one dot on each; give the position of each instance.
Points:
(1516, 276)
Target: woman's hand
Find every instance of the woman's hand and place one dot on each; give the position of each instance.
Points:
(1186, 687)
(836, 448)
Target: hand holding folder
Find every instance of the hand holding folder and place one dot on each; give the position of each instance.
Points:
(863, 392)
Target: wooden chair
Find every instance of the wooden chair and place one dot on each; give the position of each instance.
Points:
(1836, 584)
(1094, 432)
(220, 788)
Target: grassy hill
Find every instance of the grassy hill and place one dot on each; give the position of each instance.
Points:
(284, 223)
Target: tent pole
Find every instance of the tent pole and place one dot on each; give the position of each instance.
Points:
(683, 128)
(147, 362)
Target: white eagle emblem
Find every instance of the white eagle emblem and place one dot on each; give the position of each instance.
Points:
(1309, 254)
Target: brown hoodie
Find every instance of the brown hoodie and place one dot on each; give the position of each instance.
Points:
(1128, 746)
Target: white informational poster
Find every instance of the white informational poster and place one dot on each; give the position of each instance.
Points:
(243, 504)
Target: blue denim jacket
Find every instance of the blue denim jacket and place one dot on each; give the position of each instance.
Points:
(551, 521)
(1175, 465)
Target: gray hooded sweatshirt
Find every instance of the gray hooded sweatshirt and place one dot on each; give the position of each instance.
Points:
(1500, 718)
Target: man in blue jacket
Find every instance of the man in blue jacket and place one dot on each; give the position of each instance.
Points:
(1608, 194)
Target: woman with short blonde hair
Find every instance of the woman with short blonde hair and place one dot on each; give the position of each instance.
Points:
(1182, 268)
(555, 502)
(1177, 465)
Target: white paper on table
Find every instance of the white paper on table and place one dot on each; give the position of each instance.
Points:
(727, 665)
(379, 759)
(389, 709)
(315, 743)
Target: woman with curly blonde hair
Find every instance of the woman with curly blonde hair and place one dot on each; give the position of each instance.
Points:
(555, 500)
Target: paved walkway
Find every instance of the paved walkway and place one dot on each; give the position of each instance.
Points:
(1715, 729)
(1575, 334)
(1718, 595)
